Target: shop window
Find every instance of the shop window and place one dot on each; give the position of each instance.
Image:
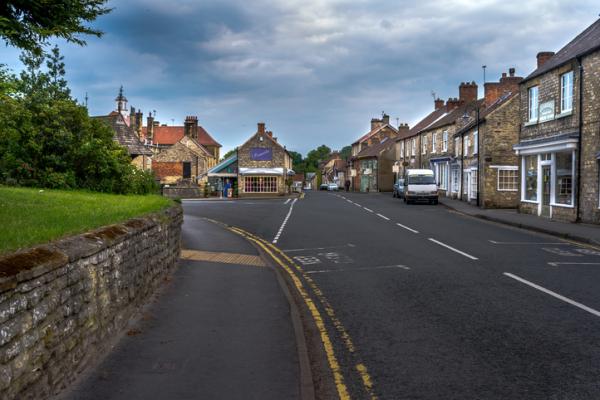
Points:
(563, 184)
(508, 180)
(531, 177)
(443, 176)
(260, 184)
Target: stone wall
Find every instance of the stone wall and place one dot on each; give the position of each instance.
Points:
(62, 303)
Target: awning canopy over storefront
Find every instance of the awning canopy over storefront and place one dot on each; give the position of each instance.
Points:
(261, 171)
(567, 141)
(225, 169)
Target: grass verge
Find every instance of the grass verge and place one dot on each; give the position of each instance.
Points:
(33, 216)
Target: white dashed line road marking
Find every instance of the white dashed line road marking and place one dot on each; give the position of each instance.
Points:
(556, 264)
(462, 253)
(356, 204)
(383, 216)
(529, 243)
(554, 294)
(287, 201)
(285, 221)
(407, 228)
(368, 209)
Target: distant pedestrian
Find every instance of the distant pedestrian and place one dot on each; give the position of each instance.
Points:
(347, 185)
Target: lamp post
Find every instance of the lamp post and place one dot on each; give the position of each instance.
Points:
(472, 107)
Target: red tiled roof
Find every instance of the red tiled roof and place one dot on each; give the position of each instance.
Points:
(169, 135)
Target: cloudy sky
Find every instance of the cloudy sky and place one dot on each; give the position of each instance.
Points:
(316, 71)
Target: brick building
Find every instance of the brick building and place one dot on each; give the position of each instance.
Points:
(365, 169)
(186, 161)
(489, 165)
(559, 140)
(263, 165)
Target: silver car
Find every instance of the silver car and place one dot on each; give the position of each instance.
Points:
(398, 190)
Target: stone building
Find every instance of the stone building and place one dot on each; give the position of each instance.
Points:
(126, 127)
(186, 161)
(490, 167)
(365, 169)
(559, 140)
(263, 165)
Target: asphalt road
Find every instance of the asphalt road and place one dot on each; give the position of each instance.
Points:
(438, 305)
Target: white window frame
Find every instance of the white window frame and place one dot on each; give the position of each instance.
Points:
(505, 168)
(466, 145)
(402, 149)
(433, 142)
(523, 172)
(553, 202)
(566, 92)
(445, 141)
(424, 144)
(475, 142)
(414, 147)
(456, 188)
(456, 146)
(534, 103)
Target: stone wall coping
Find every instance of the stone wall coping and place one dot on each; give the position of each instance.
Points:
(26, 264)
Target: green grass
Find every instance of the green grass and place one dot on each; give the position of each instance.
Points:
(34, 216)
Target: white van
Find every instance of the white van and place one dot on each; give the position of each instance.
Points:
(419, 185)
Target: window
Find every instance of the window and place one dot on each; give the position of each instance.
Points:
(473, 183)
(456, 146)
(445, 141)
(455, 179)
(414, 147)
(530, 171)
(443, 176)
(260, 184)
(475, 142)
(433, 142)
(424, 144)
(465, 184)
(508, 180)
(466, 144)
(566, 92)
(402, 149)
(563, 185)
(533, 103)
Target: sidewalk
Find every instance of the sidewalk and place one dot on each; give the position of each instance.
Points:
(285, 197)
(584, 233)
(221, 329)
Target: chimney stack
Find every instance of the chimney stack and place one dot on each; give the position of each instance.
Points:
(403, 128)
(190, 126)
(467, 92)
(385, 120)
(507, 84)
(543, 57)
(261, 128)
(452, 104)
(438, 103)
(150, 127)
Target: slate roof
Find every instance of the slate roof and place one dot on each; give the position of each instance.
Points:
(124, 135)
(372, 132)
(487, 111)
(586, 42)
(451, 117)
(169, 135)
(376, 149)
(422, 124)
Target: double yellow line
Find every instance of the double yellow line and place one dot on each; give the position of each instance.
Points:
(285, 262)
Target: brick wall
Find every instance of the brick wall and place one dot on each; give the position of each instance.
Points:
(167, 171)
(61, 304)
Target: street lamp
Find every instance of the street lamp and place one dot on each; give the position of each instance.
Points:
(472, 107)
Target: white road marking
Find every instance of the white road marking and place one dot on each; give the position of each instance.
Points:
(287, 201)
(561, 252)
(556, 264)
(357, 269)
(383, 216)
(554, 294)
(356, 204)
(529, 243)
(453, 249)
(349, 201)
(368, 209)
(319, 248)
(284, 221)
(407, 228)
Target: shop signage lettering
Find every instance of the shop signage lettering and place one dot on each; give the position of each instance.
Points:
(261, 154)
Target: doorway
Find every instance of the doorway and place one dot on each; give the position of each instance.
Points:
(546, 179)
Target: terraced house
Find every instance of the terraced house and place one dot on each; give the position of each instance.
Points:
(488, 163)
(365, 168)
(559, 140)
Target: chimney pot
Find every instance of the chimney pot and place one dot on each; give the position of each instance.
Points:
(511, 71)
(261, 127)
(504, 74)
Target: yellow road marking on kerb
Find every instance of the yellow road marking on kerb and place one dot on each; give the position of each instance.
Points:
(360, 368)
(227, 258)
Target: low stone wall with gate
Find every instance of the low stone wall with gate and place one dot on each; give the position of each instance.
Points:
(61, 304)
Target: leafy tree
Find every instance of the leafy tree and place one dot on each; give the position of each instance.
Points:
(228, 154)
(314, 157)
(29, 25)
(346, 152)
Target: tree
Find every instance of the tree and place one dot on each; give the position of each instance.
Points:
(314, 157)
(346, 152)
(29, 25)
(229, 154)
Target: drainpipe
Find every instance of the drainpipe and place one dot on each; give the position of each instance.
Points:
(579, 142)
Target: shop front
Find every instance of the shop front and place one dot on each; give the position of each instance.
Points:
(548, 177)
(262, 181)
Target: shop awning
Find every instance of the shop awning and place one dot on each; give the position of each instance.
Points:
(225, 168)
(261, 171)
(567, 141)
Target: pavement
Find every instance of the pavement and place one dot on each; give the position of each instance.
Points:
(221, 329)
(585, 233)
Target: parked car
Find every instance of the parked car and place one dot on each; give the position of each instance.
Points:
(333, 187)
(419, 185)
(324, 186)
(398, 190)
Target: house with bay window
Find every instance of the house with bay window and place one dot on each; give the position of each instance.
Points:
(559, 144)
(263, 166)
